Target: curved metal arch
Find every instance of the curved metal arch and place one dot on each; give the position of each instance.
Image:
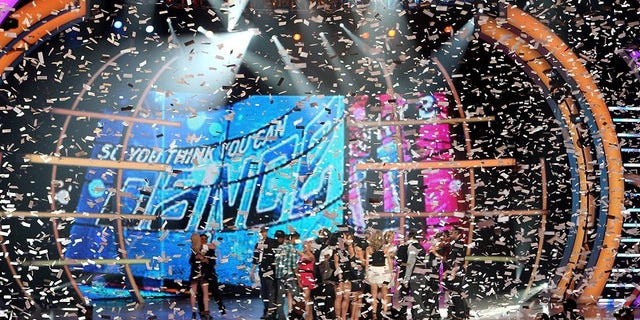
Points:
(40, 19)
(534, 65)
(602, 130)
(610, 158)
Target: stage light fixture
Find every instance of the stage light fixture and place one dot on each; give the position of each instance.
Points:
(149, 29)
(118, 24)
(391, 33)
(365, 35)
(448, 29)
(297, 37)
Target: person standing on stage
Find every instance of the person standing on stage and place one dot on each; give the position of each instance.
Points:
(391, 249)
(286, 271)
(307, 281)
(324, 293)
(402, 287)
(357, 248)
(432, 285)
(379, 273)
(209, 251)
(197, 278)
(454, 279)
(415, 275)
(344, 274)
(264, 260)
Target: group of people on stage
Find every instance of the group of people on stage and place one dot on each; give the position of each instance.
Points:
(203, 279)
(345, 275)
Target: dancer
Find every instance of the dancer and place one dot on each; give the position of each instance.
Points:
(323, 295)
(307, 279)
(391, 250)
(402, 287)
(569, 311)
(344, 275)
(209, 251)
(197, 277)
(416, 276)
(263, 259)
(356, 250)
(379, 274)
(286, 261)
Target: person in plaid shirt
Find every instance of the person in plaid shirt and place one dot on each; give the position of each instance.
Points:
(286, 272)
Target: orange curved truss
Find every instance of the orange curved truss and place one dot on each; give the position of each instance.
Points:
(37, 19)
(611, 148)
(539, 65)
(542, 37)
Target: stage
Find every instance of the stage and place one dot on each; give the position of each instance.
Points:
(129, 127)
(250, 308)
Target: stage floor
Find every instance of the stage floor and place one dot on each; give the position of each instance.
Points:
(250, 308)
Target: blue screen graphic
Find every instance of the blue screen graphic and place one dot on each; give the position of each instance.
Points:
(275, 161)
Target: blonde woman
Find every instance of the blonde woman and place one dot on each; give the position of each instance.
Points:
(390, 248)
(197, 276)
(306, 276)
(379, 274)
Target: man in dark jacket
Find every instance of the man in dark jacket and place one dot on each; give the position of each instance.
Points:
(209, 269)
(264, 260)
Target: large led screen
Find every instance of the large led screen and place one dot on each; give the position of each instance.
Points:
(273, 161)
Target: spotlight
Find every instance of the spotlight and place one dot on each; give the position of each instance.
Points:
(391, 33)
(149, 29)
(297, 37)
(117, 24)
(365, 35)
(341, 25)
(448, 29)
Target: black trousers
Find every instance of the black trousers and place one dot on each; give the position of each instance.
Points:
(214, 290)
(459, 308)
(323, 297)
(268, 293)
